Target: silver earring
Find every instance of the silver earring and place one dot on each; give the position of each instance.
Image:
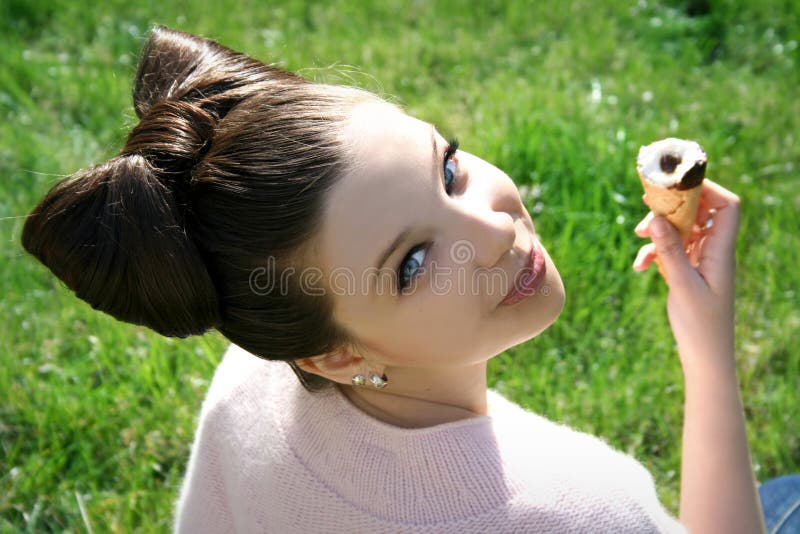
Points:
(358, 381)
(379, 382)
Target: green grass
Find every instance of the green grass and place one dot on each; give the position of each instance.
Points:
(558, 94)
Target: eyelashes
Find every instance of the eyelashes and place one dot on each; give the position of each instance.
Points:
(450, 166)
(452, 146)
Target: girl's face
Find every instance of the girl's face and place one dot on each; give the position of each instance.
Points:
(420, 246)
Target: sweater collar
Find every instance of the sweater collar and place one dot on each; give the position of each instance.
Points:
(448, 470)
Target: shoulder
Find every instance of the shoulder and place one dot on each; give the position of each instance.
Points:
(246, 391)
(524, 434)
(237, 418)
(557, 466)
(240, 374)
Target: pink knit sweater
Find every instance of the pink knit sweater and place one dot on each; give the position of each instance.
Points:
(269, 456)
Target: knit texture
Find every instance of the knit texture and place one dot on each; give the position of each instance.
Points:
(269, 456)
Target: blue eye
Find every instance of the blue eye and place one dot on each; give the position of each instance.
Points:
(449, 175)
(450, 165)
(411, 266)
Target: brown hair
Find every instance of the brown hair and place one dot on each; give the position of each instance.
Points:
(228, 166)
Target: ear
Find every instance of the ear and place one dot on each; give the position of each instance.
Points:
(339, 366)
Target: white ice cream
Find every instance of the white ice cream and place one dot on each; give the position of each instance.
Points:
(648, 161)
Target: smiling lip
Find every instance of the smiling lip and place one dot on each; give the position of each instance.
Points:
(530, 278)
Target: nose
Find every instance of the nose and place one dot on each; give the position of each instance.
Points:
(488, 207)
(490, 234)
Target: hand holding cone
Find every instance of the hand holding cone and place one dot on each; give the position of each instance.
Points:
(671, 172)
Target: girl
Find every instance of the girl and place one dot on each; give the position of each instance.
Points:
(322, 227)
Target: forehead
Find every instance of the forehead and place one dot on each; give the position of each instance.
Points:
(386, 184)
(373, 131)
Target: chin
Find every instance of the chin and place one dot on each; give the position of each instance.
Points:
(540, 327)
(548, 307)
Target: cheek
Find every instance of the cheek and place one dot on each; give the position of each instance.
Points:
(439, 323)
(441, 326)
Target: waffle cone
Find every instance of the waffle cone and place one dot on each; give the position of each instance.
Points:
(679, 207)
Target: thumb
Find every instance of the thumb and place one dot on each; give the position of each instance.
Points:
(677, 269)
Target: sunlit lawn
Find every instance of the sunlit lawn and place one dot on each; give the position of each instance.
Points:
(100, 415)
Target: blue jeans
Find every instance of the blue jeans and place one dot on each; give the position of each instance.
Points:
(780, 500)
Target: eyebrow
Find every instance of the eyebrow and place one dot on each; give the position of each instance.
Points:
(403, 235)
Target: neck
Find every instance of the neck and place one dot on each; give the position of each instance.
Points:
(418, 398)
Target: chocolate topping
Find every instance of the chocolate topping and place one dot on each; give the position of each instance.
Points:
(668, 162)
(693, 176)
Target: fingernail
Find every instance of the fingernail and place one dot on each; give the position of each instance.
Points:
(658, 227)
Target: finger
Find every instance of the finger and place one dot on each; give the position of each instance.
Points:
(721, 207)
(722, 232)
(641, 228)
(694, 251)
(716, 196)
(645, 257)
(677, 270)
(703, 225)
(704, 214)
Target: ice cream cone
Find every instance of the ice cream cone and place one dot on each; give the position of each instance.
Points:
(678, 206)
